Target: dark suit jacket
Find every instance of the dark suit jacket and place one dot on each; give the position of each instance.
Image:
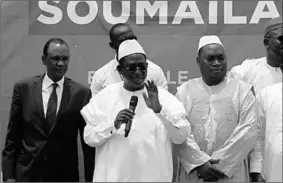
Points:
(31, 153)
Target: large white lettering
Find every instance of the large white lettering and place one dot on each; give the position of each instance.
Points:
(52, 13)
(108, 16)
(162, 6)
(182, 76)
(193, 14)
(212, 19)
(228, 15)
(57, 13)
(74, 17)
(260, 13)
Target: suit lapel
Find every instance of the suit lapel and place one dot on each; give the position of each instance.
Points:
(37, 93)
(64, 102)
(38, 96)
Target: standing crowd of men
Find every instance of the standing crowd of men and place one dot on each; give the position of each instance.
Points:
(222, 127)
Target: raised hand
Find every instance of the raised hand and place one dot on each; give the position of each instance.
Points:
(152, 100)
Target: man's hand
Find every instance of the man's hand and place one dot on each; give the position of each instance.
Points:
(123, 116)
(209, 173)
(256, 177)
(152, 100)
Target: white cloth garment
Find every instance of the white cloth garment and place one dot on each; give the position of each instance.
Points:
(223, 122)
(129, 47)
(258, 73)
(270, 115)
(210, 39)
(108, 74)
(146, 154)
(47, 90)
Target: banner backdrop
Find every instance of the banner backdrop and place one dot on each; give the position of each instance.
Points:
(168, 30)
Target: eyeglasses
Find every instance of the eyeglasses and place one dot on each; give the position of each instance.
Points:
(134, 67)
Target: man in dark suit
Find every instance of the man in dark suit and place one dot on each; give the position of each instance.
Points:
(41, 142)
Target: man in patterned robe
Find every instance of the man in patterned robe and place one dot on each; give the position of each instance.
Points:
(222, 114)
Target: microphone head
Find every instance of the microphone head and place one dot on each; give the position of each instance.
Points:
(134, 101)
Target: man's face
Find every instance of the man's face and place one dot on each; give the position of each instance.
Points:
(275, 44)
(134, 70)
(57, 61)
(212, 62)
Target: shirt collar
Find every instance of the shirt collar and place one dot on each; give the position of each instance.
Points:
(213, 88)
(137, 93)
(47, 82)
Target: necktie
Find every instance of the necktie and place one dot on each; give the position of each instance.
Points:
(51, 109)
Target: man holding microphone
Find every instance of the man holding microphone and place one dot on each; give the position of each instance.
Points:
(142, 153)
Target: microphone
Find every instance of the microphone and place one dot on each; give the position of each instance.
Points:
(133, 105)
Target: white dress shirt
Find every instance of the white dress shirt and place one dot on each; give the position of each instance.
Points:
(47, 90)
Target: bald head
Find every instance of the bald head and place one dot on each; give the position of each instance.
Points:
(118, 33)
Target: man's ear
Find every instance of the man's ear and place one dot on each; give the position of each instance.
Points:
(266, 42)
(118, 68)
(43, 58)
(112, 45)
(198, 61)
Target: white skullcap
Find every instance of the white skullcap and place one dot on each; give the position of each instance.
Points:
(129, 47)
(206, 40)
